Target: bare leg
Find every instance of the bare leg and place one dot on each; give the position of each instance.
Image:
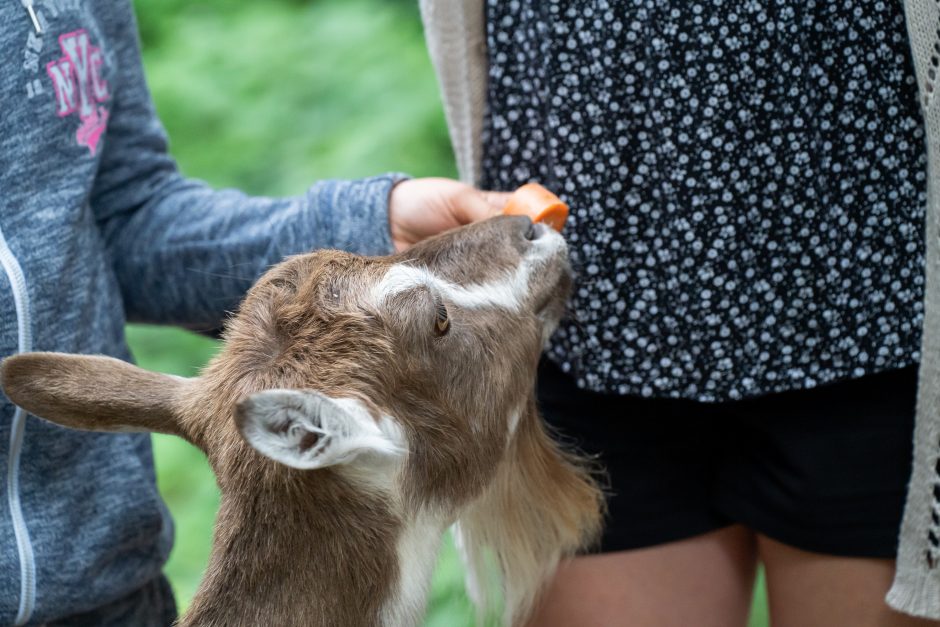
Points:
(812, 590)
(704, 581)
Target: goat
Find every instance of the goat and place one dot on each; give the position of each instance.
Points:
(357, 409)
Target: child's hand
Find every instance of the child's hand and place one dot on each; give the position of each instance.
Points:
(420, 208)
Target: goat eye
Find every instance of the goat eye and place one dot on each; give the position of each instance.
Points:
(442, 323)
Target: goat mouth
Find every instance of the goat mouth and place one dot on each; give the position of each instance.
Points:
(550, 300)
(543, 305)
(550, 303)
(550, 311)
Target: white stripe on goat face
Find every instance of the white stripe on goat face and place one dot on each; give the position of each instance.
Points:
(509, 293)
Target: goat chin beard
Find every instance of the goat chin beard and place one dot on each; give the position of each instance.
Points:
(543, 505)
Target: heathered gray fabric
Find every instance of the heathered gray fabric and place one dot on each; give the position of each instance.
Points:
(105, 230)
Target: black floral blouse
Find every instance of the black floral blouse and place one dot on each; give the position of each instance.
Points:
(747, 183)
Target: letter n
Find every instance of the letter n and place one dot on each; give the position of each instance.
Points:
(63, 79)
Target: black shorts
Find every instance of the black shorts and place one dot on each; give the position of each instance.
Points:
(823, 470)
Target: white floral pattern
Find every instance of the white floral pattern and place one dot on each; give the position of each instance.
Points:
(747, 183)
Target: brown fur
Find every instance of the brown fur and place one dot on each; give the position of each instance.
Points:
(41, 381)
(295, 547)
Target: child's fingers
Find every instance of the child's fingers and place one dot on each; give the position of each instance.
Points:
(496, 200)
(478, 205)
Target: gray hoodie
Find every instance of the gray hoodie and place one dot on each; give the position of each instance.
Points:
(97, 227)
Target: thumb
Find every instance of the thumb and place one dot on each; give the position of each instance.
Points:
(497, 200)
(479, 206)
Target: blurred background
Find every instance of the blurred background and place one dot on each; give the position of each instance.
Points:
(268, 97)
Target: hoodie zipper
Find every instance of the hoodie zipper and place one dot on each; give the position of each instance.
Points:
(28, 5)
(24, 344)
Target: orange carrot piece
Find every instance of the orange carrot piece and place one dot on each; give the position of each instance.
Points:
(538, 203)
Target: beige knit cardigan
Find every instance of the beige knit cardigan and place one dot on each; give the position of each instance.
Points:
(456, 39)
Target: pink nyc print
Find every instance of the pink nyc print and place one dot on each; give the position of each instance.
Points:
(79, 87)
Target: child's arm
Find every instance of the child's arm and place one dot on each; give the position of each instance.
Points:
(184, 253)
(187, 254)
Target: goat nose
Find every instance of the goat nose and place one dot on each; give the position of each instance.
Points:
(535, 231)
(522, 230)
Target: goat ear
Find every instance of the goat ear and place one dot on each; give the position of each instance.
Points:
(94, 393)
(305, 429)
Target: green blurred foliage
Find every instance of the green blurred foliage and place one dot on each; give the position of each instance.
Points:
(268, 97)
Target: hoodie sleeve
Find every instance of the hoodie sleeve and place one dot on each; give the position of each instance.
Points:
(184, 253)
